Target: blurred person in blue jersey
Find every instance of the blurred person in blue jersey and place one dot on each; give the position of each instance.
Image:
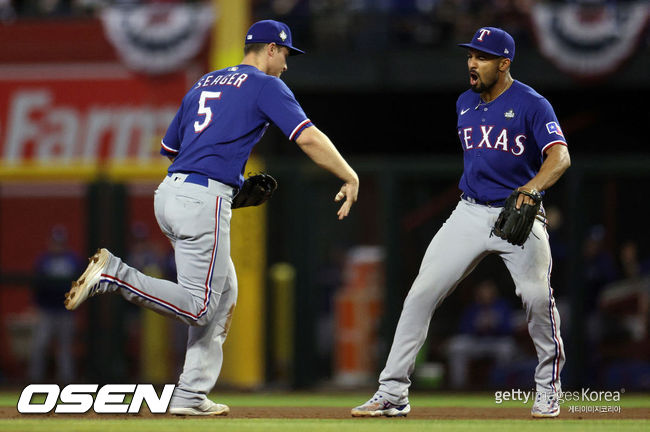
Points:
(52, 273)
(485, 331)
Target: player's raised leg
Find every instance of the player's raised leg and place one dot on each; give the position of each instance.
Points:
(201, 237)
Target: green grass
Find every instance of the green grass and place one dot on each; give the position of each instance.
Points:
(482, 400)
(305, 399)
(300, 425)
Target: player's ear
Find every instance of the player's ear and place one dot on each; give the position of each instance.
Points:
(504, 64)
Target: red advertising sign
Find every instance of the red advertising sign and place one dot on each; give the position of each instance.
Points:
(84, 113)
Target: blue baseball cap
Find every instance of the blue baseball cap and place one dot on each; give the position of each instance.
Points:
(493, 40)
(268, 31)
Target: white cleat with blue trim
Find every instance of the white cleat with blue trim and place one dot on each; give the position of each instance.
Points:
(546, 405)
(378, 406)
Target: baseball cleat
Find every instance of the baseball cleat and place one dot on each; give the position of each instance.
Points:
(378, 406)
(87, 285)
(546, 405)
(206, 408)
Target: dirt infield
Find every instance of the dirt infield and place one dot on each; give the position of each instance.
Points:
(425, 413)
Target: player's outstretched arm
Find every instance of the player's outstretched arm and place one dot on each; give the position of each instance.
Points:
(322, 151)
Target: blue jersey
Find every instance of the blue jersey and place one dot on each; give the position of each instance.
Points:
(223, 116)
(504, 140)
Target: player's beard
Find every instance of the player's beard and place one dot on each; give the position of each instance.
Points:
(484, 84)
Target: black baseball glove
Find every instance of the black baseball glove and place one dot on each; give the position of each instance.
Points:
(513, 224)
(256, 190)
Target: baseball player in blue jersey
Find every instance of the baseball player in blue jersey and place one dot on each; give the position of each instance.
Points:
(209, 141)
(511, 139)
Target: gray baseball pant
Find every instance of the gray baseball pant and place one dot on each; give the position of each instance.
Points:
(196, 219)
(460, 244)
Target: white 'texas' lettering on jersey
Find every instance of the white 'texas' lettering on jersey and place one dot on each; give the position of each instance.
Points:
(502, 140)
(485, 130)
(514, 146)
(519, 140)
(467, 137)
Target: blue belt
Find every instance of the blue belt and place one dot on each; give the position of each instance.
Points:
(195, 178)
(498, 203)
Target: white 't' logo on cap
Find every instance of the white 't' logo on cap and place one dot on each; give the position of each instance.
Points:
(483, 33)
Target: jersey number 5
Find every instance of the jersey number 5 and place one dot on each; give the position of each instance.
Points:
(205, 110)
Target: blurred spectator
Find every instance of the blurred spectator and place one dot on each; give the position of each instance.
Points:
(43, 7)
(485, 332)
(633, 267)
(65, 8)
(599, 267)
(361, 25)
(329, 280)
(144, 256)
(7, 12)
(53, 272)
(625, 302)
(374, 25)
(624, 308)
(89, 7)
